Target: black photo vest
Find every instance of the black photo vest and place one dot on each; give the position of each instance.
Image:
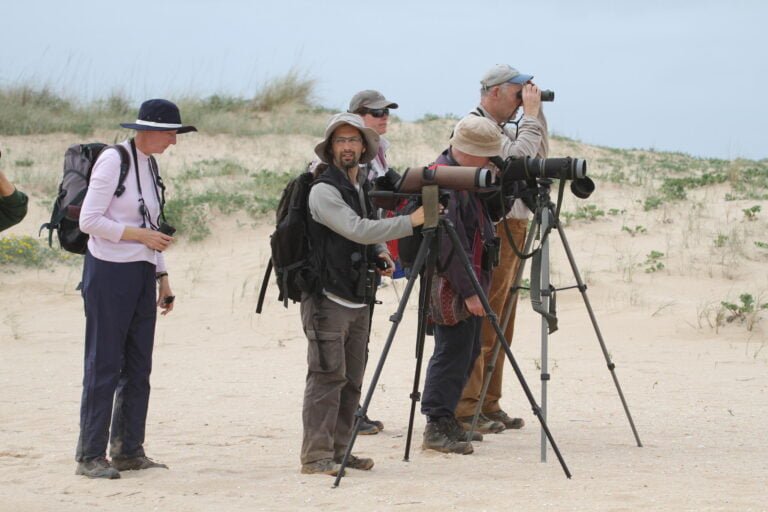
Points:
(341, 263)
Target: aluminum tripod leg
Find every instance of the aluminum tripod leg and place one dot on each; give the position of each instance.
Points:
(583, 289)
(512, 294)
(494, 322)
(545, 299)
(421, 257)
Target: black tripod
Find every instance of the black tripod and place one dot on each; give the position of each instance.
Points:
(543, 301)
(426, 257)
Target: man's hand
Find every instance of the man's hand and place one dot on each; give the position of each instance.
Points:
(417, 217)
(474, 306)
(390, 270)
(531, 99)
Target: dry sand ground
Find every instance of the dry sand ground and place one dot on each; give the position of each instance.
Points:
(225, 412)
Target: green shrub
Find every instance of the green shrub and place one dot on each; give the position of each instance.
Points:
(30, 252)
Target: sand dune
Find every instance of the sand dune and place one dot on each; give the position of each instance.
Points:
(227, 385)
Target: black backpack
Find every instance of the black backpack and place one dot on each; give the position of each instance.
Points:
(290, 242)
(78, 162)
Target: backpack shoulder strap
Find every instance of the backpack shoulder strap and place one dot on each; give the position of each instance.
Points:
(125, 166)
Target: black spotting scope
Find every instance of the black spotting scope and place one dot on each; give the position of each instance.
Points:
(527, 169)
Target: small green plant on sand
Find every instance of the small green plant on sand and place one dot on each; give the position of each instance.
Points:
(653, 262)
(745, 312)
(751, 213)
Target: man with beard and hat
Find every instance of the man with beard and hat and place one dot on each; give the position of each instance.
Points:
(346, 239)
(125, 280)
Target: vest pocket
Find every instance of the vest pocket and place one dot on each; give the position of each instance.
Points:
(325, 351)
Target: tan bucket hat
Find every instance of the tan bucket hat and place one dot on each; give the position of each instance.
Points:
(477, 136)
(322, 149)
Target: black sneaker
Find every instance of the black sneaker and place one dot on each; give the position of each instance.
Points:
(135, 463)
(97, 468)
(439, 435)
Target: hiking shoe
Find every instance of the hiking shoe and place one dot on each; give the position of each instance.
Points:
(484, 425)
(367, 427)
(97, 468)
(135, 463)
(321, 467)
(354, 462)
(461, 435)
(507, 420)
(377, 423)
(439, 435)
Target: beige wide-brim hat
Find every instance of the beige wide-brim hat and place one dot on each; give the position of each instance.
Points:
(477, 136)
(354, 120)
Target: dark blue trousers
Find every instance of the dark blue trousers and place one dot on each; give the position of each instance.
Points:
(120, 312)
(456, 348)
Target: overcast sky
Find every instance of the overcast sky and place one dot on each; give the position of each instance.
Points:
(684, 76)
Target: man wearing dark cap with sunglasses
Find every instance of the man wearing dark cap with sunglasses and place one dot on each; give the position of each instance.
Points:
(125, 280)
(503, 91)
(373, 107)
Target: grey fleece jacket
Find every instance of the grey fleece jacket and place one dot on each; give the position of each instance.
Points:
(328, 208)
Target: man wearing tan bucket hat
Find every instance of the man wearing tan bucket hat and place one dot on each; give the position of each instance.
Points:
(457, 325)
(346, 240)
(503, 91)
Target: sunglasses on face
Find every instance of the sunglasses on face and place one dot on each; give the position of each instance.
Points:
(377, 112)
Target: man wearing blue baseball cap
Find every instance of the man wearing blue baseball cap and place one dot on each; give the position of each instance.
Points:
(503, 91)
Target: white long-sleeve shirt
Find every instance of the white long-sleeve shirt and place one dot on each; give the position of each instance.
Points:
(104, 216)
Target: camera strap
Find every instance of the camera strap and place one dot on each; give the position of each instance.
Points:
(549, 315)
(146, 218)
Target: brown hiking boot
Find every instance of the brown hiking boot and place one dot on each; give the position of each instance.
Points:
(440, 436)
(378, 424)
(354, 462)
(369, 427)
(97, 468)
(462, 435)
(136, 463)
(507, 420)
(484, 425)
(321, 467)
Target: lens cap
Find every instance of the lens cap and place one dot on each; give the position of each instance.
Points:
(582, 187)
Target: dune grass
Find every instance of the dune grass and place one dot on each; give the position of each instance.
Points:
(221, 186)
(27, 109)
